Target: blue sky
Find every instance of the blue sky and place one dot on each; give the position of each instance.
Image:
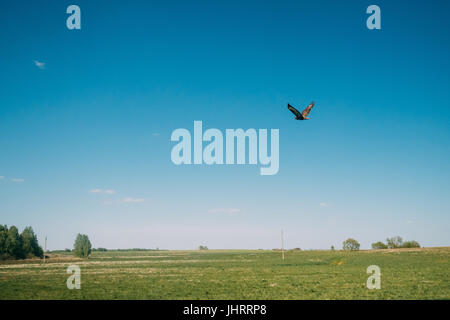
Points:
(84, 111)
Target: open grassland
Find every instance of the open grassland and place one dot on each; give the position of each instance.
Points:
(230, 274)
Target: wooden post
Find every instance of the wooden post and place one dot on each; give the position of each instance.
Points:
(282, 245)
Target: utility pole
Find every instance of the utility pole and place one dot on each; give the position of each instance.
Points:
(282, 245)
(45, 247)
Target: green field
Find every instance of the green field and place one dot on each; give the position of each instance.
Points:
(229, 274)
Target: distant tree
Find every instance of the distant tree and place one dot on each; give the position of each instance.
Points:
(379, 245)
(350, 244)
(3, 237)
(332, 248)
(82, 246)
(202, 248)
(30, 245)
(13, 244)
(410, 244)
(67, 250)
(394, 242)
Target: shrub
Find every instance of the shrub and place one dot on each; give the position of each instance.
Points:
(379, 245)
(350, 244)
(394, 242)
(411, 244)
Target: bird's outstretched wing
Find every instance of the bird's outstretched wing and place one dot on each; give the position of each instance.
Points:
(294, 111)
(307, 109)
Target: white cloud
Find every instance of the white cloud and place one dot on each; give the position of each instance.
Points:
(40, 65)
(102, 191)
(225, 210)
(17, 180)
(133, 200)
(156, 134)
(323, 204)
(123, 200)
(2, 177)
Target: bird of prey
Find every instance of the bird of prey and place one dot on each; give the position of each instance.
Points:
(304, 114)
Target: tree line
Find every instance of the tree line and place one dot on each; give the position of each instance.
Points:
(19, 246)
(15, 245)
(391, 243)
(395, 242)
(25, 245)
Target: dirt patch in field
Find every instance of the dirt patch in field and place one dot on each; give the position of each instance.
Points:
(399, 250)
(111, 263)
(130, 257)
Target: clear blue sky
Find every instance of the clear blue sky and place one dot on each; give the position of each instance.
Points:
(97, 109)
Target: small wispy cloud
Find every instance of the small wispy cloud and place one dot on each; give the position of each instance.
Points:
(2, 177)
(155, 134)
(323, 204)
(409, 221)
(18, 180)
(123, 200)
(102, 191)
(225, 210)
(133, 200)
(40, 65)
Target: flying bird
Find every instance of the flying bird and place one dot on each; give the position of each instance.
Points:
(304, 114)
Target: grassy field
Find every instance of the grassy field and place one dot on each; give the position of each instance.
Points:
(228, 274)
